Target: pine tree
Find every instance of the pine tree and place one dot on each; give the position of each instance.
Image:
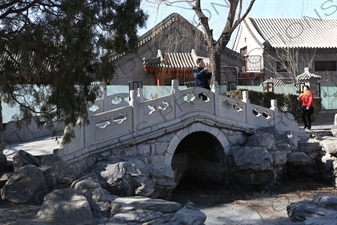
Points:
(52, 51)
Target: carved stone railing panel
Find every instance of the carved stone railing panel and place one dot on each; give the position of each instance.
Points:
(232, 109)
(111, 124)
(107, 103)
(96, 107)
(259, 116)
(116, 101)
(27, 132)
(155, 111)
(189, 101)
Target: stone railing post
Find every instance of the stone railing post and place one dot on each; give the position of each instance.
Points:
(247, 108)
(104, 98)
(3, 159)
(87, 132)
(216, 97)
(177, 99)
(140, 94)
(175, 86)
(134, 102)
(273, 104)
(245, 97)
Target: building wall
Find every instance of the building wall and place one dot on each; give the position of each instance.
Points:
(328, 78)
(130, 67)
(245, 39)
(227, 60)
(253, 41)
(305, 58)
(177, 37)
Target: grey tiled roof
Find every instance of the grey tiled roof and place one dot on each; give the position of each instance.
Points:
(297, 33)
(164, 24)
(307, 75)
(16, 59)
(178, 60)
(276, 82)
(151, 34)
(173, 60)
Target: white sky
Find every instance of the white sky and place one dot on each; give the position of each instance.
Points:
(217, 11)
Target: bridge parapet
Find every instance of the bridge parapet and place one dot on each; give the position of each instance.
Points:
(117, 124)
(107, 103)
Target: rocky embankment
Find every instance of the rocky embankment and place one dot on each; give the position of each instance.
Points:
(128, 190)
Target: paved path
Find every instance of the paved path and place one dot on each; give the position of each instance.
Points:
(40, 146)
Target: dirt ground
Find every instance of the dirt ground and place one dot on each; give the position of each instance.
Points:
(222, 207)
(291, 189)
(230, 207)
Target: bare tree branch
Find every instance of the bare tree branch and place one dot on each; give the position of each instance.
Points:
(230, 27)
(203, 18)
(12, 7)
(288, 60)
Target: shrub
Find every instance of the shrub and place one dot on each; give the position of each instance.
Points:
(285, 102)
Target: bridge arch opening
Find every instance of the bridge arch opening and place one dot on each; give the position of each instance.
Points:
(199, 162)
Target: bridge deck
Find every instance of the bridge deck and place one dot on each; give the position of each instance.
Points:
(45, 145)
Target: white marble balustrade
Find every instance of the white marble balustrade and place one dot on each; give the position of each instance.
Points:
(121, 117)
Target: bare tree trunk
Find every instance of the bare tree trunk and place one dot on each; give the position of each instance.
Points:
(1, 137)
(215, 63)
(216, 47)
(3, 159)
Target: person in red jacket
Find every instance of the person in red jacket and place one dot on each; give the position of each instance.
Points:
(307, 101)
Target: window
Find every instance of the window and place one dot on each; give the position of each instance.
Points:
(325, 65)
(281, 66)
(243, 51)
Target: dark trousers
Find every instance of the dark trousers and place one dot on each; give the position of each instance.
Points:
(306, 116)
(201, 95)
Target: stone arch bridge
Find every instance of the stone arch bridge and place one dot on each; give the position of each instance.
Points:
(178, 129)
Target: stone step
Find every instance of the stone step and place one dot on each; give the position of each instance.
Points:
(302, 135)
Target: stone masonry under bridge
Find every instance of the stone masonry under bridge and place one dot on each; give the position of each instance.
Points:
(180, 130)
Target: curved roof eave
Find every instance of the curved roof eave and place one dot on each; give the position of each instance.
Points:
(256, 34)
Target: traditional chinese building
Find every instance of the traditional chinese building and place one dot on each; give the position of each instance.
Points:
(168, 51)
(283, 47)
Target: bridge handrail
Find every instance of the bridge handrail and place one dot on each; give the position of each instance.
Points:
(144, 116)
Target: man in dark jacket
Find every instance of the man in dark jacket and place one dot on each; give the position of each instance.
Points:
(201, 76)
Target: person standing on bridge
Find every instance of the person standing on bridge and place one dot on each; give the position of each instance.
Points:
(201, 76)
(307, 109)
